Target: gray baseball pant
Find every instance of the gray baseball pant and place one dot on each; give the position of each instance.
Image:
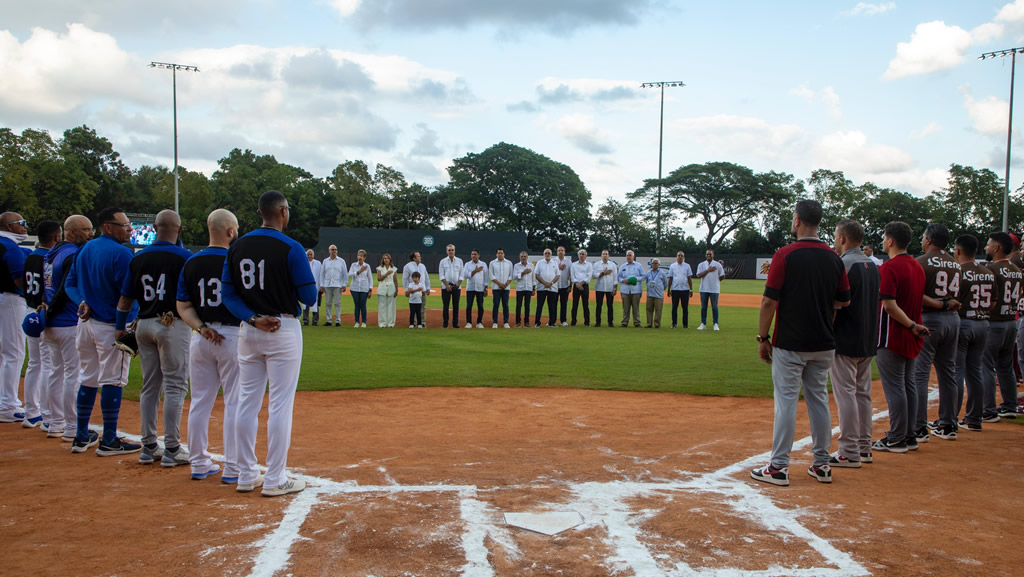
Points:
(998, 365)
(939, 347)
(790, 371)
(970, 358)
(163, 354)
(897, 374)
(851, 386)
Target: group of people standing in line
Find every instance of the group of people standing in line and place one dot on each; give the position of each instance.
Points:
(834, 311)
(551, 279)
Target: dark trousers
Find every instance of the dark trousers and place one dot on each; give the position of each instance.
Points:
(577, 296)
(415, 314)
(521, 298)
(563, 303)
(359, 303)
(470, 297)
(452, 297)
(499, 296)
(602, 296)
(551, 298)
(681, 298)
(316, 313)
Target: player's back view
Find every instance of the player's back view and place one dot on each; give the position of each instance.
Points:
(265, 276)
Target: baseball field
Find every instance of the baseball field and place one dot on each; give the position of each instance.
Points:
(631, 446)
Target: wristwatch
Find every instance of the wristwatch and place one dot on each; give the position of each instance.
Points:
(252, 320)
(763, 339)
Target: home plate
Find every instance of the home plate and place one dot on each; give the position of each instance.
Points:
(550, 523)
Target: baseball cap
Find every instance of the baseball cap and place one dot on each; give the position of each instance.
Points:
(34, 324)
(1015, 239)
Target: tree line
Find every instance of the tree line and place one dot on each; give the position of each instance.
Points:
(504, 188)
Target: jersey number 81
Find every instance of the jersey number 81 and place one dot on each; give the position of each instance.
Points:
(249, 269)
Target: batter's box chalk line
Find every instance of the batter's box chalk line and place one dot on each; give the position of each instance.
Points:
(603, 505)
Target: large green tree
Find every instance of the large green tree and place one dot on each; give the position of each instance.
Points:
(618, 227)
(839, 197)
(195, 202)
(972, 202)
(37, 181)
(884, 205)
(511, 188)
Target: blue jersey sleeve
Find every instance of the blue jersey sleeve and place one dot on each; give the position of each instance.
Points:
(182, 291)
(71, 284)
(305, 284)
(15, 260)
(232, 300)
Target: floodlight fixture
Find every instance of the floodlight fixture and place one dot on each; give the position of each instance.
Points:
(174, 68)
(1012, 53)
(661, 140)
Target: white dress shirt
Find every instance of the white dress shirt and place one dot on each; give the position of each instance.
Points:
(411, 267)
(711, 282)
(680, 274)
(500, 270)
(524, 282)
(563, 274)
(605, 283)
(314, 267)
(334, 273)
(360, 282)
(450, 271)
(548, 271)
(581, 272)
(475, 282)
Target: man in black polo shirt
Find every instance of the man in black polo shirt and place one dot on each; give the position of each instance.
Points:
(806, 283)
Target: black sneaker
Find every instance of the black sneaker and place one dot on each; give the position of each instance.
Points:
(932, 424)
(921, 435)
(1008, 413)
(911, 442)
(866, 457)
(888, 446)
(945, 432)
(837, 460)
(823, 473)
(990, 418)
(769, 474)
(79, 446)
(963, 425)
(118, 447)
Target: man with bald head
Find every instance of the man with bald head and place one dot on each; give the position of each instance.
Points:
(62, 328)
(162, 336)
(13, 231)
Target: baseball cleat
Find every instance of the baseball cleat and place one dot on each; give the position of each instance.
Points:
(837, 460)
(174, 458)
(228, 480)
(32, 423)
(249, 487)
(118, 447)
(200, 475)
(54, 433)
(15, 417)
(289, 486)
(963, 425)
(823, 473)
(150, 454)
(80, 446)
(888, 446)
(945, 432)
(866, 457)
(769, 474)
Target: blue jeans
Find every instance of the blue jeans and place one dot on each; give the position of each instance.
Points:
(704, 298)
(359, 301)
(499, 297)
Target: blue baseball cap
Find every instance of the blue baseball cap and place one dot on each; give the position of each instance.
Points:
(34, 324)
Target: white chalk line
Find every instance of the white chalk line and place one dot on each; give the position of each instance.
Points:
(601, 504)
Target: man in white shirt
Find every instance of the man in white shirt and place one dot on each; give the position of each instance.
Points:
(870, 253)
(710, 273)
(500, 272)
(475, 273)
(679, 274)
(333, 279)
(314, 267)
(564, 285)
(525, 287)
(415, 265)
(605, 286)
(450, 273)
(580, 274)
(631, 278)
(545, 273)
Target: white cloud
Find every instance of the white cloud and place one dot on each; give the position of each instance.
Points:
(987, 32)
(929, 129)
(1012, 12)
(828, 94)
(803, 92)
(724, 134)
(870, 9)
(582, 132)
(934, 46)
(850, 150)
(988, 116)
(52, 73)
(915, 181)
(345, 8)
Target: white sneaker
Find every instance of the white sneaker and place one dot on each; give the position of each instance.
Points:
(565, 324)
(506, 325)
(289, 486)
(412, 326)
(363, 325)
(494, 326)
(248, 488)
(479, 325)
(701, 327)
(716, 326)
(467, 326)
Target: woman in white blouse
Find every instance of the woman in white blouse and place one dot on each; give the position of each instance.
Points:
(387, 292)
(361, 286)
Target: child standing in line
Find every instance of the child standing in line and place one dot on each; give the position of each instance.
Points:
(415, 293)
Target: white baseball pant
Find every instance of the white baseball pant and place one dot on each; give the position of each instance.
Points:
(210, 367)
(276, 357)
(102, 363)
(62, 389)
(37, 376)
(12, 351)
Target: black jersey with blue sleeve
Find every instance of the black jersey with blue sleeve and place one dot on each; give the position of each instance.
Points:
(200, 285)
(153, 278)
(267, 273)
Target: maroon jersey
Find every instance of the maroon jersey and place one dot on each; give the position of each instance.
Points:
(902, 281)
(1007, 290)
(941, 277)
(977, 285)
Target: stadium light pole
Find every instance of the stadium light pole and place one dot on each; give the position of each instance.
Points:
(661, 140)
(174, 68)
(1012, 53)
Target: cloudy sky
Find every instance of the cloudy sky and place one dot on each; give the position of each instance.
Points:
(889, 92)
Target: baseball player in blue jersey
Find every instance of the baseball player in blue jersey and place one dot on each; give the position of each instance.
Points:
(265, 276)
(13, 231)
(62, 329)
(162, 338)
(94, 283)
(37, 373)
(213, 356)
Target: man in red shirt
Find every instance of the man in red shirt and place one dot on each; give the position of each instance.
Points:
(900, 337)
